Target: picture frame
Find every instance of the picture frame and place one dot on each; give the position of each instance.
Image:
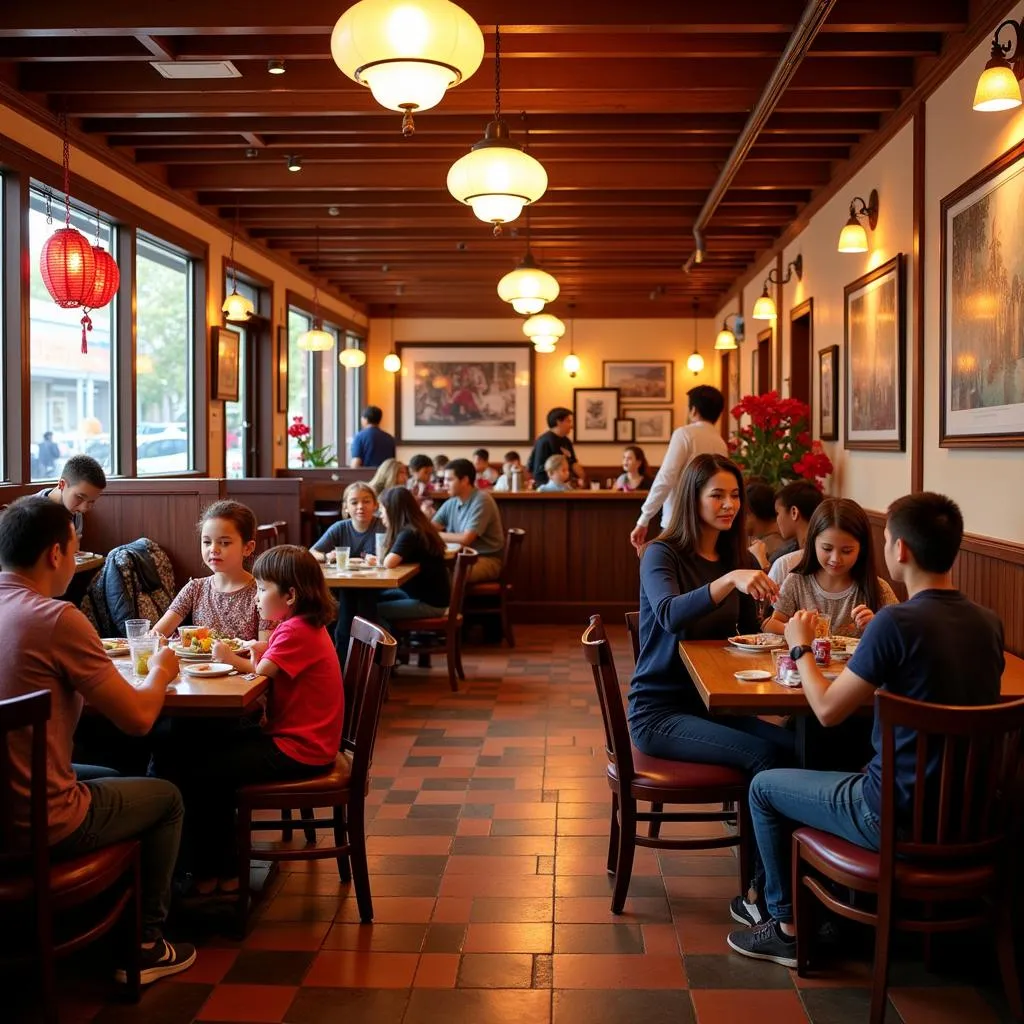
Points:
(594, 412)
(226, 347)
(640, 380)
(828, 393)
(875, 355)
(653, 424)
(468, 393)
(981, 372)
(625, 430)
(282, 368)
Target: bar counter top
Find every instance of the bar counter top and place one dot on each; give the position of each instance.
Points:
(602, 495)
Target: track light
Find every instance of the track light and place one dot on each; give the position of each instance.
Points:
(275, 67)
(293, 163)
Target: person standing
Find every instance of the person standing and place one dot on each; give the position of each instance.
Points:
(555, 441)
(371, 446)
(471, 518)
(49, 453)
(698, 437)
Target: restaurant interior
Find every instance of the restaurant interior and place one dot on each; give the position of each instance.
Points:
(593, 206)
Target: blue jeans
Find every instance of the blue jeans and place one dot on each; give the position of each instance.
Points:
(787, 798)
(396, 604)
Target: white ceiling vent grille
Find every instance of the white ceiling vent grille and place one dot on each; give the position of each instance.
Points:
(193, 69)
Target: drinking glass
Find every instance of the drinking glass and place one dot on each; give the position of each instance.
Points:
(379, 548)
(341, 558)
(136, 627)
(822, 626)
(595, 485)
(141, 649)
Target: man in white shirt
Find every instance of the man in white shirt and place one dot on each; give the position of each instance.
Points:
(698, 437)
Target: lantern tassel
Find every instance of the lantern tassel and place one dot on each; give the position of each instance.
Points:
(86, 326)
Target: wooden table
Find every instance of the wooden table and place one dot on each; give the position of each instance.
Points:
(377, 579)
(88, 562)
(711, 664)
(218, 696)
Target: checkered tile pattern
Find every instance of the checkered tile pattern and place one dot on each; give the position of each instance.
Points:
(487, 857)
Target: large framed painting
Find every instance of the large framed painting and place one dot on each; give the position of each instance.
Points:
(464, 393)
(875, 353)
(828, 393)
(594, 413)
(638, 381)
(981, 325)
(653, 426)
(226, 345)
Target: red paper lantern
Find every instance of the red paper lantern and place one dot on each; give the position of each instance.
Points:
(68, 266)
(108, 277)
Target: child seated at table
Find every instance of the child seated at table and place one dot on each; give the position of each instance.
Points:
(486, 474)
(225, 600)
(357, 532)
(558, 471)
(636, 474)
(390, 473)
(836, 576)
(301, 732)
(440, 461)
(421, 479)
(794, 505)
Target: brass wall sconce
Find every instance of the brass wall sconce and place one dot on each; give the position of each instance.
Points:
(998, 87)
(764, 308)
(853, 237)
(728, 339)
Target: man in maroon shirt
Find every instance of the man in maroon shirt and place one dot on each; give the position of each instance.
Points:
(50, 645)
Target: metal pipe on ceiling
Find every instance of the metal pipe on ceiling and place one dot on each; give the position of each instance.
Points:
(806, 29)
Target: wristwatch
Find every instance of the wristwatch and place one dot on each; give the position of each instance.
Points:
(796, 653)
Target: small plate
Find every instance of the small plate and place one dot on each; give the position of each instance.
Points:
(187, 654)
(749, 641)
(215, 668)
(121, 648)
(753, 675)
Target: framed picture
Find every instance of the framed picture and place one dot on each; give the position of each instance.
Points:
(828, 393)
(594, 412)
(282, 368)
(653, 426)
(625, 431)
(640, 381)
(981, 322)
(875, 354)
(226, 346)
(464, 393)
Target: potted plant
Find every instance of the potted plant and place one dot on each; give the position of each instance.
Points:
(316, 458)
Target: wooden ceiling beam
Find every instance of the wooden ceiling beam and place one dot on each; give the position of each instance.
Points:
(158, 47)
(414, 236)
(678, 217)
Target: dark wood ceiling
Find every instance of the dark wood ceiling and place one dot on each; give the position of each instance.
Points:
(632, 108)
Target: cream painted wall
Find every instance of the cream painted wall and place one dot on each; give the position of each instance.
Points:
(596, 340)
(85, 167)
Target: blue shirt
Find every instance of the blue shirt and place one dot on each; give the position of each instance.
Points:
(372, 446)
(478, 513)
(343, 534)
(939, 647)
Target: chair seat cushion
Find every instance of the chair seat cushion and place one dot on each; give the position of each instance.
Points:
(863, 865)
(337, 778)
(657, 772)
(483, 590)
(94, 871)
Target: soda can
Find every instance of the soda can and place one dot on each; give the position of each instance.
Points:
(784, 666)
(822, 650)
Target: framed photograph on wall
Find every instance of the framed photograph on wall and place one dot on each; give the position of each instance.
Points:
(828, 393)
(225, 346)
(464, 393)
(625, 431)
(640, 381)
(653, 425)
(981, 317)
(875, 355)
(282, 368)
(594, 412)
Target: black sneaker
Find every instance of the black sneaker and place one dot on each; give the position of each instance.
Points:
(750, 914)
(161, 961)
(765, 942)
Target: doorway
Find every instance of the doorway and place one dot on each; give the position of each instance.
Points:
(764, 361)
(801, 348)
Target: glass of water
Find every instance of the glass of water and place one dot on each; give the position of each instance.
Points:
(379, 547)
(136, 627)
(341, 558)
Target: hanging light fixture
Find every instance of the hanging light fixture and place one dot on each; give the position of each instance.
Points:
(695, 363)
(392, 361)
(496, 177)
(998, 87)
(727, 339)
(408, 52)
(853, 237)
(316, 339)
(528, 288)
(764, 307)
(352, 358)
(544, 330)
(236, 307)
(571, 363)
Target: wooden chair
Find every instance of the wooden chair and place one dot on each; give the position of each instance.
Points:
(958, 849)
(324, 519)
(446, 628)
(633, 628)
(343, 789)
(481, 596)
(281, 525)
(266, 537)
(33, 889)
(634, 776)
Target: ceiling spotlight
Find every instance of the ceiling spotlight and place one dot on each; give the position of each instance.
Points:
(333, 211)
(251, 153)
(275, 67)
(293, 163)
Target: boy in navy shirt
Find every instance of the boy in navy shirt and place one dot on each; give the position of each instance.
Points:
(938, 647)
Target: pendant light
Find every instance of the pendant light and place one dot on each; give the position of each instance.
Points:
(528, 288)
(237, 308)
(352, 358)
(544, 330)
(696, 361)
(571, 363)
(104, 287)
(496, 177)
(316, 339)
(392, 361)
(407, 52)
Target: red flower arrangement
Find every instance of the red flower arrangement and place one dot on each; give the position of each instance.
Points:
(308, 455)
(776, 445)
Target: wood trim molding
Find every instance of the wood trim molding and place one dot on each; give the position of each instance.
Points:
(916, 362)
(778, 340)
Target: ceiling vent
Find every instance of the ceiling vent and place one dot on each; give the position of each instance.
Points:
(193, 69)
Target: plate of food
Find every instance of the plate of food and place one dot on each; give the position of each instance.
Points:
(214, 668)
(196, 644)
(115, 646)
(843, 647)
(757, 641)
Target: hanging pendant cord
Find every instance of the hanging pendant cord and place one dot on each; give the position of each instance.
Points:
(497, 72)
(67, 170)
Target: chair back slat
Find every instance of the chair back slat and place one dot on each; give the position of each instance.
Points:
(948, 786)
(598, 653)
(281, 525)
(920, 769)
(266, 537)
(464, 561)
(514, 537)
(368, 688)
(633, 628)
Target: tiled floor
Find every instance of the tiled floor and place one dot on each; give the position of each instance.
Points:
(491, 897)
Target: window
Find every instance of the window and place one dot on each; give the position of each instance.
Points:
(355, 395)
(238, 420)
(300, 391)
(163, 358)
(71, 404)
(313, 391)
(326, 421)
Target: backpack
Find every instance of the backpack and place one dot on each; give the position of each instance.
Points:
(136, 582)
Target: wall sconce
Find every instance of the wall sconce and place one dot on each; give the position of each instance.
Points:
(998, 87)
(764, 308)
(727, 339)
(853, 237)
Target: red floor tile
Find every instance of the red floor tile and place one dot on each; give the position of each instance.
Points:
(718, 1006)
(256, 1003)
(437, 970)
(614, 970)
(363, 970)
(508, 938)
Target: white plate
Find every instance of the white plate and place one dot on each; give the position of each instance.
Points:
(453, 546)
(753, 675)
(118, 652)
(187, 654)
(770, 640)
(215, 668)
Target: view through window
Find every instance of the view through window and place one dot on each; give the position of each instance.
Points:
(236, 422)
